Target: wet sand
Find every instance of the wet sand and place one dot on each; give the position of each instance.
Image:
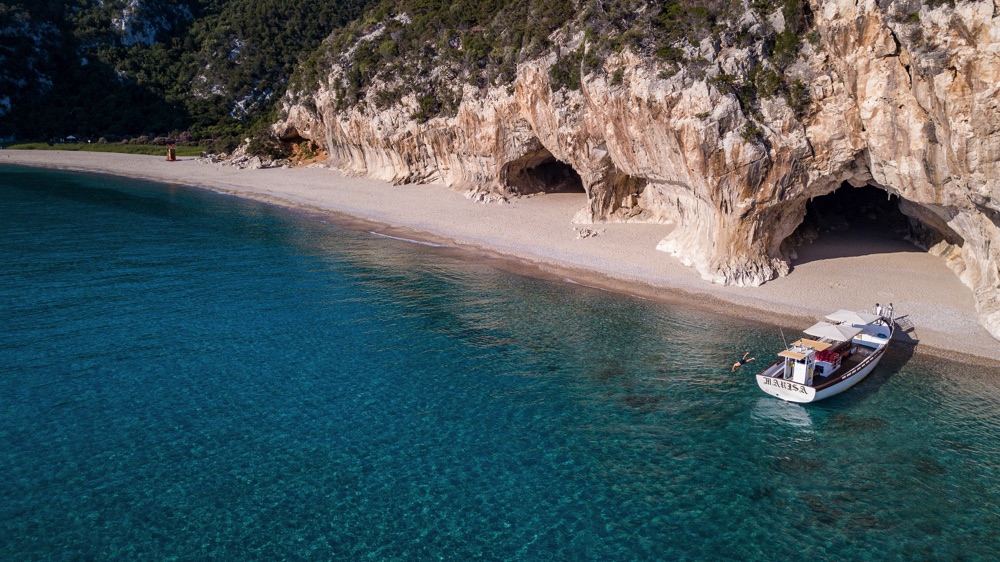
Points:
(847, 269)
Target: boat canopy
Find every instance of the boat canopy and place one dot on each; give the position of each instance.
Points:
(854, 318)
(817, 345)
(837, 332)
(792, 355)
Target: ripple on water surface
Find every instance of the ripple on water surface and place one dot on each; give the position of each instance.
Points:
(188, 375)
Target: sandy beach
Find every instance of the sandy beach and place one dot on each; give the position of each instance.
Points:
(850, 269)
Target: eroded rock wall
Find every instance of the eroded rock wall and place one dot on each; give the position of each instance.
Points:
(926, 113)
(906, 103)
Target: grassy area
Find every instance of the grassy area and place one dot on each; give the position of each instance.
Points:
(150, 149)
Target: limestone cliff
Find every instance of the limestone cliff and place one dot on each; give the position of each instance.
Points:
(904, 97)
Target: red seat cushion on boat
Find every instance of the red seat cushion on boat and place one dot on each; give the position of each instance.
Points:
(828, 355)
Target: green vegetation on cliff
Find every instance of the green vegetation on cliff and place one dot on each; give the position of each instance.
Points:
(431, 49)
(216, 68)
(125, 67)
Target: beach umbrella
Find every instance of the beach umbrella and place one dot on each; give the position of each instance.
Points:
(838, 332)
(853, 318)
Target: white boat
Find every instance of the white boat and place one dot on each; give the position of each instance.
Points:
(842, 354)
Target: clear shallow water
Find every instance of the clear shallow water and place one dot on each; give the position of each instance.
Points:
(187, 375)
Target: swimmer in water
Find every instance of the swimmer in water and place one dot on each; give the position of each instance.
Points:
(742, 362)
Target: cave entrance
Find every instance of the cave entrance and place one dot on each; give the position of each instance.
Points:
(857, 221)
(852, 208)
(540, 172)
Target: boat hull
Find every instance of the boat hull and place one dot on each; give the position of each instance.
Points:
(786, 390)
(793, 392)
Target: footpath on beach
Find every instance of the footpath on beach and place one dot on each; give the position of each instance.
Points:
(852, 270)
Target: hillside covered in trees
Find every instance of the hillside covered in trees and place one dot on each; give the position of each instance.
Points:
(212, 68)
(216, 68)
(432, 48)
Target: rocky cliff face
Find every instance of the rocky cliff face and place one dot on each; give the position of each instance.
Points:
(907, 101)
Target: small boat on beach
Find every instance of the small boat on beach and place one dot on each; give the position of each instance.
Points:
(839, 355)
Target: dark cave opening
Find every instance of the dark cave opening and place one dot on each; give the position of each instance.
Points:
(291, 136)
(540, 172)
(851, 208)
(862, 221)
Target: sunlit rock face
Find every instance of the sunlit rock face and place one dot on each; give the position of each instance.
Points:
(923, 107)
(908, 104)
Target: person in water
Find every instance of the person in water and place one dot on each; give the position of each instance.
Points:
(742, 362)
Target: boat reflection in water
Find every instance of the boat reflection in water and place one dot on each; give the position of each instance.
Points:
(780, 412)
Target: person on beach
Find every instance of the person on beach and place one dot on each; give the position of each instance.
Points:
(742, 362)
(878, 309)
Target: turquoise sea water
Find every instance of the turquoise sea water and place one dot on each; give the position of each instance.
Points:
(185, 375)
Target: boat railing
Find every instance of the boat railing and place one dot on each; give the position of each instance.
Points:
(878, 353)
(773, 369)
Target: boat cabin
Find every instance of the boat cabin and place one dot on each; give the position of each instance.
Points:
(806, 359)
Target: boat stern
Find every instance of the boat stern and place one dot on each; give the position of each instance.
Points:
(786, 389)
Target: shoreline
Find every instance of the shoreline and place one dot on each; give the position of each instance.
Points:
(836, 273)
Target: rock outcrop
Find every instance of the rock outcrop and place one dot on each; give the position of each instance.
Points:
(906, 102)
